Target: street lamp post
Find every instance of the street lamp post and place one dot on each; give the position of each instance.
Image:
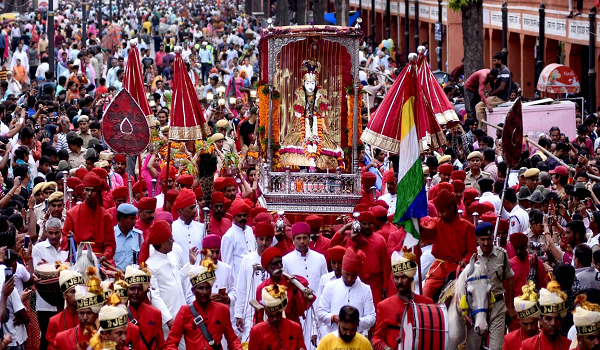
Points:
(406, 30)
(439, 42)
(50, 32)
(592, 59)
(83, 23)
(505, 31)
(416, 25)
(539, 64)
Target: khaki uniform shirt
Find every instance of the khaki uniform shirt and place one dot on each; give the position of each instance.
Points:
(76, 160)
(85, 137)
(471, 180)
(497, 267)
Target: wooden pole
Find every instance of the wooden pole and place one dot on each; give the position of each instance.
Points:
(164, 190)
(418, 253)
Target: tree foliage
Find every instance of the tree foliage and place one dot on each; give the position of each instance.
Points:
(457, 5)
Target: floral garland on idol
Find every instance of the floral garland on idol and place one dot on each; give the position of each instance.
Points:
(312, 144)
(263, 119)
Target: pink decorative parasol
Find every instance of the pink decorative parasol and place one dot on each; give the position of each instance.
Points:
(133, 80)
(434, 93)
(187, 117)
(403, 105)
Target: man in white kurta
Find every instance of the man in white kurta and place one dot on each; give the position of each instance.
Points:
(239, 240)
(335, 256)
(309, 264)
(250, 277)
(188, 234)
(391, 195)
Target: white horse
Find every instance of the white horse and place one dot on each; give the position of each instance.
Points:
(85, 258)
(474, 283)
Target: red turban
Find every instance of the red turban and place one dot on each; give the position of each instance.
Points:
(445, 186)
(185, 198)
(360, 208)
(238, 207)
(120, 192)
(72, 182)
(388, 176)
(217, 197)
(227, 204)
(172, 173)
(80, 173)
(198, 192)
(139, 186)
(229, 181)
(314, 221)
(264, 229)
(458, 185)
(171, 196)
(489, 207)
(367, 216)
(185, 179)
(79, 189)
(518, 239)
(336, 253)
(444, 199)
(147, 204)
(445, 169)
(503, 225)
(489, 217)
(353, 261)
(458, 175)
(249, 202)
(102, 174)
(379, 211)
(268, 255)
(368, 180)
(263, 217)
(119, 158)
(211, 241)
(470, 194)
(432, 192)
(255, 211)
(219, 184)
(477, 207)
(300, 228)
(159, 232)
(382, 203)
(92, 180)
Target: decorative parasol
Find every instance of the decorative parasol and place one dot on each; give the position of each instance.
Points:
(133, 80)
(512, 135)
(187, 118)
(558, 79)
(434, 93)
(385, 129)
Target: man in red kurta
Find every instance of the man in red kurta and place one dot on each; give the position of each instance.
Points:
(376, 270)
(528, 310)
(120, 195)
(277, 332)
(453, 240)
(215, 315)
(317, 242)
(368, 180)
(218, 223)
(145, 316)
(523, 262)
(107, 199)
(383, 226)
(66, 319)
(271, 261)
(391, 310)
(90, 222)
(146, 210)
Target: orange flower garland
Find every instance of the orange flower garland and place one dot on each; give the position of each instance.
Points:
(263, 115)
(276, 121)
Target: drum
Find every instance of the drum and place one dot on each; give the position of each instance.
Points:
(424, 327)
(47, 285)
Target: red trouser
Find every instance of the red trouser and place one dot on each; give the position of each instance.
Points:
(436, 277)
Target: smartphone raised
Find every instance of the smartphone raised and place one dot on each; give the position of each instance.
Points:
(26, 244)
(8, 273)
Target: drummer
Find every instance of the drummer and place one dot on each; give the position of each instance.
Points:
(528, 309)
(497, 265)
(47, 252)
(89, 302)
(67, 318)
(404, 268)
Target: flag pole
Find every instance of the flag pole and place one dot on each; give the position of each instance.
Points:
(417, 252)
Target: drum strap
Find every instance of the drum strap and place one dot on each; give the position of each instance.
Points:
(199, 321)
(135, 322)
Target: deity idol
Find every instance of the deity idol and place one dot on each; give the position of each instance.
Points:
(308, 143)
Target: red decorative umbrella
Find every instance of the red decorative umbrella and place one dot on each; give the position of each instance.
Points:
(187, 118)
(403, 106)
(434, 93)
(133, 80)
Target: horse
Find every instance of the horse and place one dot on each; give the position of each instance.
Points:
(85, 258)
(475, 285)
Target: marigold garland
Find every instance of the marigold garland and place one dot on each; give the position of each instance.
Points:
(350, 121)
(263, 114)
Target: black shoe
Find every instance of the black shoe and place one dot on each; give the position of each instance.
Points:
(570, 15)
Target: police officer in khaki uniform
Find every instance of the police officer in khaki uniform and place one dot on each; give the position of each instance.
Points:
(229, 144)
(475, 173)
(498, 270)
